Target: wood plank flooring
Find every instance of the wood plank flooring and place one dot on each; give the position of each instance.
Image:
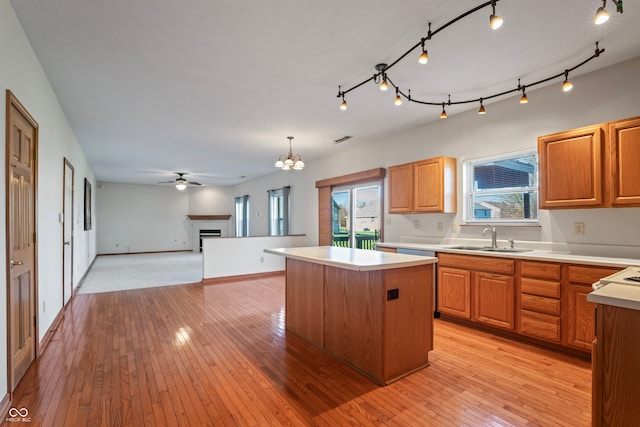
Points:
(194, 355)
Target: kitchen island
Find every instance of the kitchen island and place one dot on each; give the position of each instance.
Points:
(371, 310)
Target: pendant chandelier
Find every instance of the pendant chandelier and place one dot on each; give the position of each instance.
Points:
(290, 161)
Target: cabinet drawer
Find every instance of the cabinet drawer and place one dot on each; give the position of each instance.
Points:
(542, 270)
(589, 275)
(478, 263)
(540, 304)
(540, 325)
(543, 288)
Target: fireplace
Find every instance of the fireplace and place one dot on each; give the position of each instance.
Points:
(208, 233)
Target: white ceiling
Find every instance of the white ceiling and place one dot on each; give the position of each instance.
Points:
(213, 88)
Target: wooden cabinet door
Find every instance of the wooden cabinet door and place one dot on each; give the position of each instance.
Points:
(401, 188)
(580, 317)
(624, 177)
(454, 292)
(571, 167)
(494, 298)
(435, 183)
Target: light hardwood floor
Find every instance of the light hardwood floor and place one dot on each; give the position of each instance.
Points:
(197, 355)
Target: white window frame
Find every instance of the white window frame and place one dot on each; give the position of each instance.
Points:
(242, 216)
(469, 191)
(279, 202)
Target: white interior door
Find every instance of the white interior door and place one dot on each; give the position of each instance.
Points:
(67, 254)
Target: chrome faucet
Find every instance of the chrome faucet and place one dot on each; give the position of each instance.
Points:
(494, 235)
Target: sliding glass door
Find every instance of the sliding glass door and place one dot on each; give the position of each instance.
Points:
(356, 219)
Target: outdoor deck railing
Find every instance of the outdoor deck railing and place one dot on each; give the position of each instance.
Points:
(362, 241)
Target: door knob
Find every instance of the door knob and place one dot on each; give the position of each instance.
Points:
(12, 263)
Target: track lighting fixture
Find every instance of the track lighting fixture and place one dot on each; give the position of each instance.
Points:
(398, 99)
(566, 85)
(602, 15)
(443, 115)
(343, 106)
(290, 161)
(381, 77)
(495, 21)
(481, 110)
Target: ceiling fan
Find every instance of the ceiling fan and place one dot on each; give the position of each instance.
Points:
(180, 182)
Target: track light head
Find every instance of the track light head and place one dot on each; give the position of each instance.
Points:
(398, 100)
(384, 85)
(566, 85)
(495, 21)
(524, 99)
(424, 56)
(481, 110)
(343, 106)
(443, 115)
(602, 16)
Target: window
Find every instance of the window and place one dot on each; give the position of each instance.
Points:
(356, 216)
(242, 216)
(279, 211)
(501, 189)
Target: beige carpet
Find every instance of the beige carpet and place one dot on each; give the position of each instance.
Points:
(122, 272)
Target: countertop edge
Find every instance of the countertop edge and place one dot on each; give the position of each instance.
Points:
(624, 296)
(389, 263)
(533, 255)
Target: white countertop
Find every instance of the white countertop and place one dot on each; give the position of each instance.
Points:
(352, 259)
(625, 296)
(534, 255)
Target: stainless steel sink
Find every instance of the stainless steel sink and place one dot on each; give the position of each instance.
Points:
(470, 248)
(487, 249)
(506, 250)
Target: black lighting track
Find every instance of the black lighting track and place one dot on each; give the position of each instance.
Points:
(383, 68)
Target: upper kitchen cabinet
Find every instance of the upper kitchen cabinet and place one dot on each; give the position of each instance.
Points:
(591, 167)
(624, 149)
(571, 168)
(401, 179)
(422, 187)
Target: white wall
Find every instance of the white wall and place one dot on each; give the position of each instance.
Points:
(237, 256)
(142, 218)
(21, 72)
(508, 126)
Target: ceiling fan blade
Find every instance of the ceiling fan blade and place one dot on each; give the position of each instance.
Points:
(166, 182)
(193, 183)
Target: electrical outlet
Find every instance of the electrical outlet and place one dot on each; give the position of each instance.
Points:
(44, 306)
(387, 221)
(578, 228)
(440, 226)
(416, 223)
(261, 259)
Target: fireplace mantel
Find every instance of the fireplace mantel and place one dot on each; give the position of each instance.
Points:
(209, 217)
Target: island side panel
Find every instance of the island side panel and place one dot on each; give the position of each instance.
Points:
(353, 318)
(305, 300)
(408, 320)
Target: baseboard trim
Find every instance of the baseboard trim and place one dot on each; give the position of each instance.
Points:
(52, 330)
(5, 404)
(254, 276)
(147, 252)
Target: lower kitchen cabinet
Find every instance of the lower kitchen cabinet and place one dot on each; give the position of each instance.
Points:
(580, 331)
(494, 299)
(546, 301)
(454, 292)
(615, 367)
(477, 288)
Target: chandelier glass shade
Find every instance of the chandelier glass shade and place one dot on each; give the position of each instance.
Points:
(290, 161)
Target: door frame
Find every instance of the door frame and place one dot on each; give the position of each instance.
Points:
(67, 164)
(12, 101)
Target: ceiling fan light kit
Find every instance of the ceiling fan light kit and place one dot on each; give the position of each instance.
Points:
(382, 78)
(180, 182)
